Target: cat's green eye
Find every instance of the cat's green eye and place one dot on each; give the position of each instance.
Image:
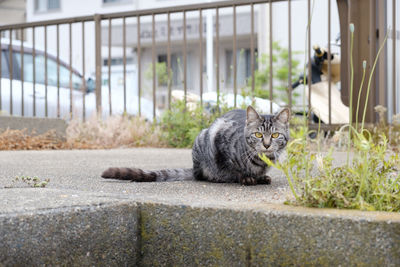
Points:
(275, 135)
(258, 135)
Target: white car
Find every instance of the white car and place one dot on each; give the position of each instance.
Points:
(262, 105)
(78, 92)
(117, 93)
(210, 100)
(29, 97)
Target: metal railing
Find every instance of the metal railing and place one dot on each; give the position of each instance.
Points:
(139, 15)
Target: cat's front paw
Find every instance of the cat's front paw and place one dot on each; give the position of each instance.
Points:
(264, 180)
(248, 181)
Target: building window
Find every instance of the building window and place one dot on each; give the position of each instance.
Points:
(47, 5)
(118, 61)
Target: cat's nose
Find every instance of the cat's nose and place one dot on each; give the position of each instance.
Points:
(267, 142)
(266, 145)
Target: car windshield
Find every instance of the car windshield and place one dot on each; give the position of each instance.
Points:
(51, 71)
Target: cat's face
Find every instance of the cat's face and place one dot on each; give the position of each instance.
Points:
(267, 134)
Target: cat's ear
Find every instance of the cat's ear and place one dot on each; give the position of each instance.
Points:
(283, 116)
(252, 115)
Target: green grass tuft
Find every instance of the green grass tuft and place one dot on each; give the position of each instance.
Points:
(370, 181)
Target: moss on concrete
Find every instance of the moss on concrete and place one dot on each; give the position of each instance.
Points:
(183, 235)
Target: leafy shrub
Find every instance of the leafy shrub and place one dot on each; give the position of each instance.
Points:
(280, 60)
(161, 73)
(181, 125)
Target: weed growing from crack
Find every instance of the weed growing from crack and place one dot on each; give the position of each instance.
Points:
(30, 181)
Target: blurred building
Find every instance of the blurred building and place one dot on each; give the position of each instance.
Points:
(37, 10)
(12, 11)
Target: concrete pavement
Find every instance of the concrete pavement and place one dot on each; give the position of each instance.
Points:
(80, 170)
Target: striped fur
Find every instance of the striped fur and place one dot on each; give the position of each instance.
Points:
(226, 152)
(139, 175)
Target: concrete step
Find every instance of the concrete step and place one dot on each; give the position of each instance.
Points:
(69, 227)
(64, 227)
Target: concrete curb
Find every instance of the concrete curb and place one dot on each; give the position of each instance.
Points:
(112, 231)
(100, 235)
(267, 235)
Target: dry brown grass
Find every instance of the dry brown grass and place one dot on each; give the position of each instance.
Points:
(115, 131)
(22, 140)
(95, 133)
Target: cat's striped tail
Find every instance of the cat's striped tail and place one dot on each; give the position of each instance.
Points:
(139, 175)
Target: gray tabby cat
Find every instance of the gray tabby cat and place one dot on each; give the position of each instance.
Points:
(226, 152)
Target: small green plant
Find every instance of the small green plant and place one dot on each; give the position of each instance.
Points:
(161, 73)
(370, 181)
(31, 181)
(280, 59)
(181, 124)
